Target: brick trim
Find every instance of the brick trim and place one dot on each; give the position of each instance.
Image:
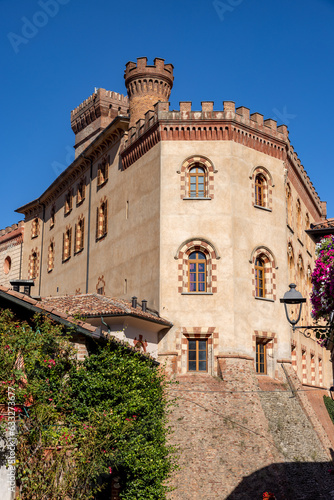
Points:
(269, 271)
(197, 245)
(208, 167)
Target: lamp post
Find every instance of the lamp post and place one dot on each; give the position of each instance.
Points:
(293, 297)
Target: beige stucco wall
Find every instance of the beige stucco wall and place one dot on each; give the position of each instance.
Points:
(235, 227)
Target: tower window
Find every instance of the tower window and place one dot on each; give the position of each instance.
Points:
(261, 357)
(196, 182)
(197, 272)
(259, 278)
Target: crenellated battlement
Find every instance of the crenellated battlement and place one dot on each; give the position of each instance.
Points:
(231, 123)
(95, 113)
(202, 118)
(141, 70)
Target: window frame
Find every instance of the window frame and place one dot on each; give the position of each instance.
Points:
(197, 176)
(197, 350)
(260, 189)
(197, 272)
(259, 270)
(261, 344)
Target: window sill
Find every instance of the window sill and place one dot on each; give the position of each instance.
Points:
(196, 293)
(198, 198)
(78, 251)
(66, 260)
(34, 236)
(99, 186)
(67, 212)
(265, 299)
(263, 208)
(99, 238)
(50, 270)
(300, 241)
(289, 227)
(79, 202)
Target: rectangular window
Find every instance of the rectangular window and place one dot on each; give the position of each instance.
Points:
(261, 357)
(197, 355)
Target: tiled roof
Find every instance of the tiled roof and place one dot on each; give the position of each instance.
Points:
(25, 300)
(326, 224)
(93, 305)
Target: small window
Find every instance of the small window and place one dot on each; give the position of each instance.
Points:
(197, 272)
(35, 228)
(79, 235)
(259, 278)
(260, 184)
(100, 290)
(102, 220)
(67, 239)
(68, 202)
(102, 172)
(197, 182)
(7, 265)
(261, 357)
(197, 355)
(52, 217)
(33, 267)
(81, 190)
(51, 257)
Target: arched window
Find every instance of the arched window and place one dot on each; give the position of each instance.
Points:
(197, 272)
(34, 228)
(260, 186)
(299, 219)
(52, 217)
(51, 255)
(67, 240)
(196, 177)
(197, 266)
(263, 273)
(102, 220)
(260, 290)
(79, 235)
(33, 272)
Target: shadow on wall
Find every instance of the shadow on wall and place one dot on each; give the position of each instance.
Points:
(289, 481)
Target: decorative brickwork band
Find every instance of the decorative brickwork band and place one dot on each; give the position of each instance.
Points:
(182, 255)
(208, 177)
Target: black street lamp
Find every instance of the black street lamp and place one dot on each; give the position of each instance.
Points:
(293, 297)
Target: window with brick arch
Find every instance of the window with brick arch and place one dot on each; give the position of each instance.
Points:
(197, 182)
(51, 257)
(260, 188)
(79, 235)
(35, 228)
(81, 192)
(260, 289)
(102, 220)
(33, 266)
(197, 272)
(67, 242)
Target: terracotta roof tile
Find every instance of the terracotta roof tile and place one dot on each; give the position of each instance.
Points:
(326, 224)
(93, 305)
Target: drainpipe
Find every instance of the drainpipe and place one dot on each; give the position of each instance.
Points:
(40, 269)
(89, 212)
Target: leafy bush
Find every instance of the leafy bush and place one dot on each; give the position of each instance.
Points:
(82, 423)
(329, 403)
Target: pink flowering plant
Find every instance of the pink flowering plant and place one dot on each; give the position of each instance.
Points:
(83, 423)
(322, 296)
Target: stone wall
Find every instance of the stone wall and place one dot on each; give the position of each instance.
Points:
(237, 440)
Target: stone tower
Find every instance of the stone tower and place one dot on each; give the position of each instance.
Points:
(146, 85)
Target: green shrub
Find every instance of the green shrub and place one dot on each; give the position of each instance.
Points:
(329, 403)
(82, 423)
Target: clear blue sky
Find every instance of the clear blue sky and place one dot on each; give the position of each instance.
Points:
(274, 57)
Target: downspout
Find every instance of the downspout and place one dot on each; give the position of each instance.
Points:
(89, 212)
(40, 269)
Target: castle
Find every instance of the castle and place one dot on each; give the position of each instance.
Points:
(201, 213)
